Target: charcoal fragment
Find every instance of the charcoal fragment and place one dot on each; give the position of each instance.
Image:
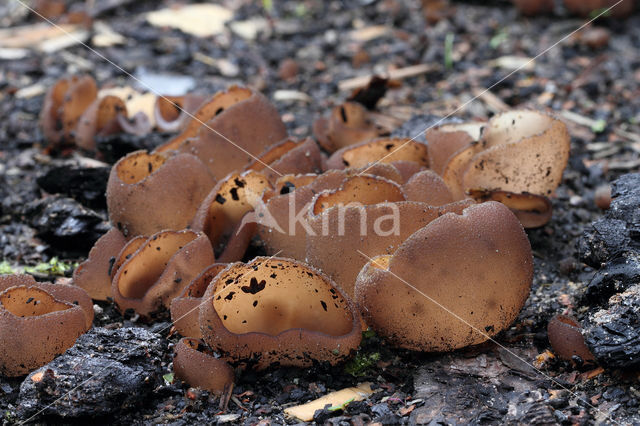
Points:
(86, 185)
(105, 372)
(613, 334)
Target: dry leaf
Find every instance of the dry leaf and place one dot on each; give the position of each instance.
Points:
(200, 20)
(305, 412)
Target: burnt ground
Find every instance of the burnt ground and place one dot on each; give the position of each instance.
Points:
(47, 212)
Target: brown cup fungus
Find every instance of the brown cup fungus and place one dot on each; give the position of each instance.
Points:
(94, 274)
(531, 210)
(567, 340)
(158, 270)
(275, 310)
(338, 237)
(281, 219)
(288, 157)
(427, 187)
(382, 150)
(63, 105)
(172, 113)
(222, 212)
(184, 308)
(445, 140)
(348, 124)
(456, 282)
(38, 321)
(195, 364)
(520, 151)
(100, 118)
(226, 142)
(147, 193)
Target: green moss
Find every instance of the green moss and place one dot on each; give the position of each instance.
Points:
(359, 365)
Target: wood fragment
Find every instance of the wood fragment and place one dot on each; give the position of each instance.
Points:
(396, 74)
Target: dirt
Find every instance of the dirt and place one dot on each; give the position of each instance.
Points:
(53, 207)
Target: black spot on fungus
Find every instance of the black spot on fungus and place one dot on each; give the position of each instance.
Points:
(112, 261)
(254, 286)
(239, 183)
(324, 305)
(234, 194)
(230, 295)
(220, 199)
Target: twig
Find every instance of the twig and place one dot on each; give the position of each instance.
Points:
(396, 74)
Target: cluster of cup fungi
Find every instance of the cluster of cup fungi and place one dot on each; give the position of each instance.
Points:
(455, 272)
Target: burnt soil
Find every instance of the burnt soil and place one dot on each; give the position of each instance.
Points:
(52, 202)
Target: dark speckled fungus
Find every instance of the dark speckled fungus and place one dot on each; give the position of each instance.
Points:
(275, 310)
(225, 142)
(38, 321)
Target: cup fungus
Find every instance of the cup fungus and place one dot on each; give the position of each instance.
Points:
(288, 157)
(63, 105)
(444, 141)
(477, 266)
(38, 321)
(159, 270)
(147, 193)
(287, 235)
(521, 151)
(348, 124)
(381, 150)
(361, 189)
(184, 308)
(172, 113)
(195, 364)
(532, 210)
(337, 237)
(221, 214)
(94, 274)
(567, 340)
(232, 143)
(100, 118)
(427, 187)
(276, 310)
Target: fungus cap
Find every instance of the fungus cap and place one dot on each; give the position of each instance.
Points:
(285, 234)
(523, 151)
(278, 310)
(456, 282)
(101, 117)
(95, 273)
(159, 269)
(195, 364)
(338, 237)
(220, 216)
(184, 308)
(147, 193)
(380, 150)
(63, 105)
(445, 140)
(172, 113)
(227, 143)
(360, 189)
(531, 210)
(566, 339)
(288, 157)
(38, 321)
(347, 124)
(427, 187)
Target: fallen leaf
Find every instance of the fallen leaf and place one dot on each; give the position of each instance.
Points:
(200, 20)
(305, 412)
